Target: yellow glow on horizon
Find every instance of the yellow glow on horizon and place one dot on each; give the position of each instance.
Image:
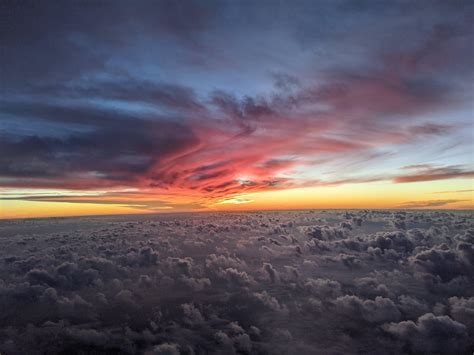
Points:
(233, 201)
(360, 196)
(33, 209)
(451, 194)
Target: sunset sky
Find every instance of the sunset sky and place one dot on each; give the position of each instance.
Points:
(166, 106)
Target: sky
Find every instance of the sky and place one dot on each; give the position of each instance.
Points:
(166, 106)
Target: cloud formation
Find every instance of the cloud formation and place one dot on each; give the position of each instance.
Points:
(239, 283)
(431, 173)
(429, 203)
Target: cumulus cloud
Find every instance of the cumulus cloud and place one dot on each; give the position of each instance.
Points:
(443, 262)
(323, 288)
(431, 334)
(374, 311)
(185, 284)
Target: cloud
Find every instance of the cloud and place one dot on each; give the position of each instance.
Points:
(411, 306)
(461, 310)
(237, 201)
(443, 262)
(152, 104)
(182, 282)
(452, 191)
(430, 334)
(323, 288)
(397, 241)
(428, 173)
(377, 311)
(429, 203)
(115, 153)
(431, 129)
(269, 302)
(164, 349)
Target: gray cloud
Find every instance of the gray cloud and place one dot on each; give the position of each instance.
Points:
(214, 283)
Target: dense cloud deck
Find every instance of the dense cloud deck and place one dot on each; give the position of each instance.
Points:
(308, 282)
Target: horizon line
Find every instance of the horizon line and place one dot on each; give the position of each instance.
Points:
(239, 211)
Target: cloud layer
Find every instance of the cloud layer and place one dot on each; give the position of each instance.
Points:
(248, 283)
